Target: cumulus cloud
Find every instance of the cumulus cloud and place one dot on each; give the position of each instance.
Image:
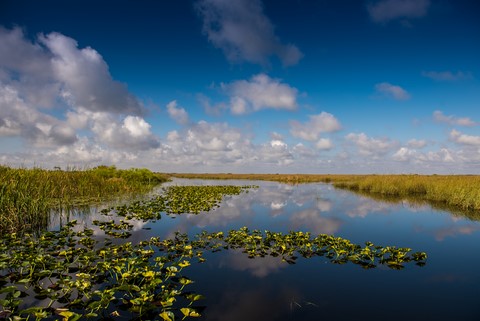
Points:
(404, 154)
(260, 92)
(443, 155)
(86, 152)
(415, 143)
(447, 75)
(276, 152)
(243, 32)
(17, 118)
(386, 10)
(324, 144)
(130, 132)
(95, 118)
(392, 91)
(370, 146)
(86, 79)
(463, 139)
(207, 144)
(177, 113)
(440, 117)
(316, 125)
(26, 67)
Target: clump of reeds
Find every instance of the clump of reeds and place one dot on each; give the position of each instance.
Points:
(461, 191)
(28, 195)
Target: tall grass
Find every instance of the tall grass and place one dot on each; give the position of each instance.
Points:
(459, 191)
(27, 196)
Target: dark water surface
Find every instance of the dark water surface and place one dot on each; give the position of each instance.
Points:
(239, 288)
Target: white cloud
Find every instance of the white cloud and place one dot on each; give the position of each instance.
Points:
(438, 116)
(370, 146)
(261, 92)
(243, 32)
(132, 133)
(447, 75)
(26, 67)
(212, 145)
(85, 152)
(404, 154)
(324, 144)
(415, 143)
(317, 124)
(392, 91)
(91, 110)
(17, 118)
(275, 152)
(463, 139)
(443, 155)
(207, 144)
(86, 79)
(177, 113)
(387, 10)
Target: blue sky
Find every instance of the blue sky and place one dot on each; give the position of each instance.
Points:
(294, 86)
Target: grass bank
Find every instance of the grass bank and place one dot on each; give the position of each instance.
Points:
(460, 191)
(28, 195)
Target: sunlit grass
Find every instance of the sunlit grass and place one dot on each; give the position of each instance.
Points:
(28, 195)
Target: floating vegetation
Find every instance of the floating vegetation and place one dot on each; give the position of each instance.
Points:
(72, 275)
(178, 200)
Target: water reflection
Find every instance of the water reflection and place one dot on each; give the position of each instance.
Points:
(239, 288)
(452, 229)
(368, 206)
(312, 220)
(259, 267)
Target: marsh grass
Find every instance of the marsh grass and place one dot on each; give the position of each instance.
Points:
(27, 196)
(455, 191)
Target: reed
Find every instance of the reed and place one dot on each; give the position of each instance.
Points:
(27, 196)
(458, 191)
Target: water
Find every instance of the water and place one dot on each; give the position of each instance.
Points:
(239, 288)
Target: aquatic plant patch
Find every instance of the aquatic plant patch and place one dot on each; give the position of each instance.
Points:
(174, 200)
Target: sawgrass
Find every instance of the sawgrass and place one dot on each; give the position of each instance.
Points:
(27, 196)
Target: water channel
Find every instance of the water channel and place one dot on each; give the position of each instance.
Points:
(239, 288)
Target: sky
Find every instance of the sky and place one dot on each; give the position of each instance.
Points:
(242, 86)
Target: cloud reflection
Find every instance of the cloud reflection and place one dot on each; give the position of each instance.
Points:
(453, 231)
(368, 206)
(259, 266)
(312, 220)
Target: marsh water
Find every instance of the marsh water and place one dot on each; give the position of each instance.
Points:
(239, 288)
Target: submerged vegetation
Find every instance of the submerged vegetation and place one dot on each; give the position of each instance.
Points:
(459, 191)
(72, 274)
(28, 195)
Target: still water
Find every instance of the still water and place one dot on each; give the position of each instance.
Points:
(239, 288)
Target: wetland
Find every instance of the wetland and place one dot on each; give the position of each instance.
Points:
(246, 249)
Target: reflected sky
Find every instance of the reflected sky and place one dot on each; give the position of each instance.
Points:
(239, 288)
